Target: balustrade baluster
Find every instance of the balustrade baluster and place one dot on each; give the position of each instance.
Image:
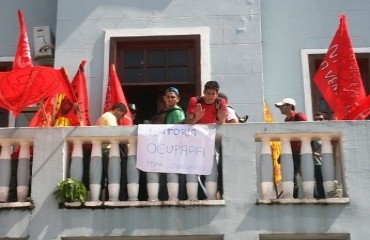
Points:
(132, 172)
(23, 172)
(267, 172)
(5, 171)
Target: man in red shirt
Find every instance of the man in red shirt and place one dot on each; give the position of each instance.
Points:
(202, 110)
(287, 107)
(205, 109)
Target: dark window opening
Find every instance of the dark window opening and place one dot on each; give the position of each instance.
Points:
(146, 66)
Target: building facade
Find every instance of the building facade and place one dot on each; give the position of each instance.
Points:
(259, 51)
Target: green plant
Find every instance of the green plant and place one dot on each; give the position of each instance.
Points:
(71, 190)
(336, 190)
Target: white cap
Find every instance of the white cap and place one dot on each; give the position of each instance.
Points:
(290, 101)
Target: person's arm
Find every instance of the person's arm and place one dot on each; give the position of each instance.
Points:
(222, 112)
(194, 118)
(231, 116)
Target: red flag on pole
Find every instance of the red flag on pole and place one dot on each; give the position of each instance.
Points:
(115, 95)
(44, 117)
(338, 77)
(23, 55)
(24, 87)
(67, 114)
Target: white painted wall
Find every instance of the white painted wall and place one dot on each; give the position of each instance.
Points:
(288, 27)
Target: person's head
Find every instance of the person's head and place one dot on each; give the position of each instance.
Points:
(171, 97)
(319, 116)
(210, 92)
(286, 106)
(119, 110)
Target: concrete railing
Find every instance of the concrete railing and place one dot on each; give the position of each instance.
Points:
(58, 155)
(20, 147)
(331, 174)
(116, 172)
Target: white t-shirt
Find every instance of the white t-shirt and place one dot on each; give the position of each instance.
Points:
(230, 114)
(107, 119)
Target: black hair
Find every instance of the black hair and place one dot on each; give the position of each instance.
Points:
(320, 114)
(213, 85)
(120, 106)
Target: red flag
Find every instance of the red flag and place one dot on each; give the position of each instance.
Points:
(45, 114)
(24, 87)
(67, 115)
(338, 77)
(23, 55)
(115, 95)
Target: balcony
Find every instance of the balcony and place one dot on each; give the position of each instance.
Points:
(247, 173)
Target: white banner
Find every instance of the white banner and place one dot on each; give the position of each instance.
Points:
(176, 148)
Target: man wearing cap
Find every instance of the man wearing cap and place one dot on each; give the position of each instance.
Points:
(173, 115)
(287, 107)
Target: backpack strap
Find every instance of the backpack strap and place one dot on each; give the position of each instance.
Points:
(217, 101)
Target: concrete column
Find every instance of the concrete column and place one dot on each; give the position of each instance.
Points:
(76, 161)
(211, 180)
(152, 185)
(96, 167)
(132, 171)
(23, 172)
(192, 187)
(327, 165)
(287, 169)
(267, 172)
(5, 171)
(173, 186)
(307, 168)
(114, 171)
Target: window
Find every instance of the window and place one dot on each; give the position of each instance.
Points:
(150, 60)
(311, 60)
(157, 61)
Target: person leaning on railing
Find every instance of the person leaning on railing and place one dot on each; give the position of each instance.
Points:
(287, 107)
(207, 109)
(110, 118)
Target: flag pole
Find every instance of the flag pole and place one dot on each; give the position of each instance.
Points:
(79, 114)
(44, 113)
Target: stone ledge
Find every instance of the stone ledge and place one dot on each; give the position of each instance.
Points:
(142, 204)
(16, 205)
(326, 201)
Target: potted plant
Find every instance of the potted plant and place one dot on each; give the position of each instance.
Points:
(71, 191)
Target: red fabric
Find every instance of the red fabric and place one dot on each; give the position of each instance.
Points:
(39, 119)
(338, 77)
(67, 111)
(23, 55)
(210, 115)
(115, 95)
(24, 87)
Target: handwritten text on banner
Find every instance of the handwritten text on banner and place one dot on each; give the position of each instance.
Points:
(176, 148)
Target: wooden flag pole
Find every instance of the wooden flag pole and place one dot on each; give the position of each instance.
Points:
(79, 114)
(44, 114)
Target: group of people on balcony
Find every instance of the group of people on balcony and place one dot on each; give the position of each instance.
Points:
(212, 107)
(209, 108)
